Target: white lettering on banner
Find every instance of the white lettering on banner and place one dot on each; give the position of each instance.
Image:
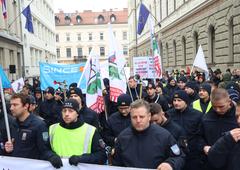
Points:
(12, 163)
(48, 69)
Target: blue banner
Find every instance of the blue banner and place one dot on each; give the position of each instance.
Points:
(55, 74)
(6, 83)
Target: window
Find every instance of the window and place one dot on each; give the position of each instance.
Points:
(174, 52)
(167, 54)
(78, 19)
(124, 35)
(102, 51)
(89, 50)
(69, 53)
(125, 50)
(90, 36)
(58, 52)
(57, 20)
(67, 37)
(100, 19)
(184, 50)
(57, 38)
(101, 36)
(195, 41)
(67, 20)
(79, 38)
(79, 51)
(211, 37)
(112, 18)
(230, 28)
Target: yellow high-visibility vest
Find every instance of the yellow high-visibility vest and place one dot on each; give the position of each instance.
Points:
(67, 142)
(197, 106)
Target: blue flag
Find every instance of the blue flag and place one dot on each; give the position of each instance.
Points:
(29, 24)
(6, 83)
(143, 16)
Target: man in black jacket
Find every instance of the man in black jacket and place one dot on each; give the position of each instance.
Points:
(118, 121)
(153, 97)
(189, 119)
(224, 154)
(88, 115)
(144, 145)
(47, 108)
(30, 139)
(158, 117)
(220, 119)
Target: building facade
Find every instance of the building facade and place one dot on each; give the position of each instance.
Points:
(80, 32)
(186, 24)
(11, 41)
(39, 46)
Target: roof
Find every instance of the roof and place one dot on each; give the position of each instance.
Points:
(89, 17)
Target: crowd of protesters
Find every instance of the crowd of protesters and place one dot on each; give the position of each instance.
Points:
(181, 121)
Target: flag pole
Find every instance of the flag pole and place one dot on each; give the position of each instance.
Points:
(9, 25)
(127, 84)
(5, 111)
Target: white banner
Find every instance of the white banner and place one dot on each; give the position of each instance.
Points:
(144, 66)
(18, 85)
(11, 163)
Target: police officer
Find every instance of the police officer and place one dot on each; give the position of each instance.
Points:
(47, 108)
(30, 140)
(203, 104)
(145, 145)
(88, 115)
(189, 119)
(191, 89)
(224, 154)
(152, 97)
(118, 121)
(73, 138)
(220, 119)
(158, 117)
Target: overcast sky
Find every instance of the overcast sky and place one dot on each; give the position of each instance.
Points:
(95, 5)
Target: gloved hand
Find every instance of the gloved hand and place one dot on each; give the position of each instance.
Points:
(74, 160)
(56, 161)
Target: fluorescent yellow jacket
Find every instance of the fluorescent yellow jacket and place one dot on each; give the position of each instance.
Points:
(197, 106)
(68, 142)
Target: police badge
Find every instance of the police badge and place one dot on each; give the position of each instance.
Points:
(175, 149)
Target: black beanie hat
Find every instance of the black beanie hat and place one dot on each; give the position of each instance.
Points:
(124, 100)
(183, 79)
(76, 91)
(182, 95)
(50, 90)
(193, 85)
(72, 104)
(206, 87)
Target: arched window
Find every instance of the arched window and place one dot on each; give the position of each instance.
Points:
(67, 20)
(184, 50)
(167, 54)
(78, 19)
(57, 20)
(230, 31)
(174, 53)
(113, 18)
(211, 36)
(100, 19)
(195, 42)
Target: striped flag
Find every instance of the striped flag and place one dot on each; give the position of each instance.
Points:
(4, 8)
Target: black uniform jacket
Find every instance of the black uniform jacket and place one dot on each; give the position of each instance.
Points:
(31, 139)
(116, 123)
(147, 149)
(225, 154)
